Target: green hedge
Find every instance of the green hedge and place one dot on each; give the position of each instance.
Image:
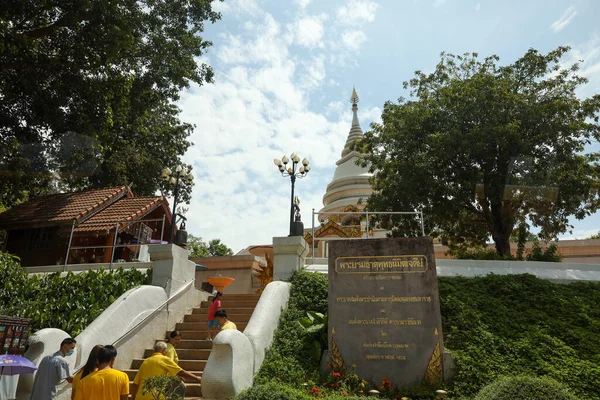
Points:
(519, 324)
(70, 302)
(525, 388)
(494, 326)
(272, 390)
(287, 357)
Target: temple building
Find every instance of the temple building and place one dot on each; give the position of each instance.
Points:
(345, 197)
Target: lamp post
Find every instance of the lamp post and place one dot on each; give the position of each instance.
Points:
(181, 176)
(293, 172)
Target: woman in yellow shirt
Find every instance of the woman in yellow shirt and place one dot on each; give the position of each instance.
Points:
(90, 366)
(172, 341)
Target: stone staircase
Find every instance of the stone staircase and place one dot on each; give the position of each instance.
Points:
(194, 349)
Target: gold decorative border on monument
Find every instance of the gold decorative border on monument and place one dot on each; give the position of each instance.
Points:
(434, 375)
(337, 362)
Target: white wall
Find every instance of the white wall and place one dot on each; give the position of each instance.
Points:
(559, 272)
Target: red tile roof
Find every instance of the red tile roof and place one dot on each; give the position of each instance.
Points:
(59, 209)
(126, 209)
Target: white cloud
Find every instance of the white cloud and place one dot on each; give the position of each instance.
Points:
(369, 115)
(314, 72)
(587, 54)
(237, 7)
(357, 12)
(477, 7)
(308, 31)
(258, 109)
(439, 3)
(267, 46)
(303, 3)
(353, 39)
(564, 20)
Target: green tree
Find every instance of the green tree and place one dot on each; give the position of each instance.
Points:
(481, 147)
(87, 92)
(216, 248)
(199, 248)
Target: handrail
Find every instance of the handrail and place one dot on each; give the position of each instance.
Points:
(166, 302)
(153, 313)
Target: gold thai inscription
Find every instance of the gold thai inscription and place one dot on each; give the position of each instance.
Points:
(381, 264)
(385, 345)
(382, 278)
(383, 299)
(385, 321)
(385, 357)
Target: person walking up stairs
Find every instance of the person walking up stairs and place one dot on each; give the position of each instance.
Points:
(194, 349)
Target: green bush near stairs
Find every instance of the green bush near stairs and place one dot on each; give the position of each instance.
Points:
(70, 302)
(525, 388)
(286, 358)
(494, 326)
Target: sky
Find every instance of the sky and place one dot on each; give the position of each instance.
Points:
(284, 72)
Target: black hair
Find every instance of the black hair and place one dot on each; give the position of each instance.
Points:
(221, 313)
(68, 340)
(92, 361)
(107, 354)
(217, 295)
(173, 334)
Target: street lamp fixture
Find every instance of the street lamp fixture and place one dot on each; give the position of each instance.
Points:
(181, 175)
(293, 170)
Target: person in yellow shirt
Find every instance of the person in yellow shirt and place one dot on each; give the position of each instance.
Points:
(172, 342)
(106, 383)
(90, 366)
(224, 323)
(155, 365)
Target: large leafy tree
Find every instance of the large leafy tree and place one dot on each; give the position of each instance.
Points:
(482, 148)
(199, 248)
(87, 91)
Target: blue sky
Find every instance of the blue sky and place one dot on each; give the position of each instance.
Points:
(284, 74)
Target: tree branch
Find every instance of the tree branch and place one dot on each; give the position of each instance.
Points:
(66, 21)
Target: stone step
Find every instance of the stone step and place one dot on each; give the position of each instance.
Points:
(230, 310)
(190, 343)
(204, 317)
(185, 354)
(185, 327)
(188, 365)
(240, 296)
(232, 303)
(192, 390)
(131, 373)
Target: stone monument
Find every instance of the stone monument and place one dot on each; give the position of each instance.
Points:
(384, 311)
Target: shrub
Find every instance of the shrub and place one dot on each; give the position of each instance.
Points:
(525, 388)
(519, 324)
(70, 302)
(479, 254)
(287, 357)
(494, 326)
(537, 253)
(272, 390)
(163, 387)
(309, 292)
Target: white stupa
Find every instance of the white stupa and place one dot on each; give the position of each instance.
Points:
(350, 184)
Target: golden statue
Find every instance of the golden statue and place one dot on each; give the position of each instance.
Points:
(266, 276)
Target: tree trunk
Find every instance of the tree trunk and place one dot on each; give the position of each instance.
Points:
(502, 242)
